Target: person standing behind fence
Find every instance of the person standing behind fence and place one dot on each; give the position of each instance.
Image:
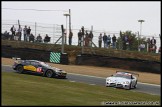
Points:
(142, 47)
(39, 38)
(114, 41)
(28, 33)
(19, 32)
(100, 40)
(153, 41)
(79, 38)
(90, 38)
(25, 33)
(153, 44)
(108, 41)
(125, 42)
(70, 37)
(86, 39)
(13, 31)
(105, 40)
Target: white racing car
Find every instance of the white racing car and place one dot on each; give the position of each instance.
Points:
(121, 79)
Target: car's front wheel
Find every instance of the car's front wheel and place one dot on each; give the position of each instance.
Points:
(20, 69)
(49, 73)
(135, 86)
(129, 87)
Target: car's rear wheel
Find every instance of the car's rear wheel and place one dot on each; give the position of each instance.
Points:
(64, 77)
(49, 73)
(20, 69)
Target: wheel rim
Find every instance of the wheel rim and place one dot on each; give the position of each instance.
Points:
(20, 69)
(49, 73)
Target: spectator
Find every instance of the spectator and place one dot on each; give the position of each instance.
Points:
(19, 32)
(16, 37)
(105, 40)
(25, 33)
(6, 35)
(153, 41)
(125, 42)
(13, 31)
(108, 41)
(31, 38)
(70, 37)
(100, 40)
(47, 39)
(153, 44)
(39, 38)
(79, 38)
(142, 47)
(114, 41)
(28, 33)
(148, 44)
(90, 37)
(86, 39)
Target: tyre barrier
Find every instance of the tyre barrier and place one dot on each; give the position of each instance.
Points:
(124, 63)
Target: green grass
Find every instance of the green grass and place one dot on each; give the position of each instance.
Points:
(24, 89)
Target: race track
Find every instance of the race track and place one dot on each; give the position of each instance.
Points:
(92, 80)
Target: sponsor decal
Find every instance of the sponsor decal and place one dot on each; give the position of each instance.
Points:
(30, 67)
(39, 69)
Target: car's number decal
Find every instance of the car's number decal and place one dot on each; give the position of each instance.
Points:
(30, 67)
(39, 69)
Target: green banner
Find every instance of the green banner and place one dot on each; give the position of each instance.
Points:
(55, 57)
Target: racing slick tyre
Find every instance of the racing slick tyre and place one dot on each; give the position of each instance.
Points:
(49, 73)
(130, 86)
(19, 69)
(135, 86)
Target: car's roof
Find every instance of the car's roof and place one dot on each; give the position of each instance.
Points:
(124, 73)
(33, 60)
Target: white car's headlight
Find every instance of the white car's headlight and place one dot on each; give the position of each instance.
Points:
(126, 82)
(108, 80)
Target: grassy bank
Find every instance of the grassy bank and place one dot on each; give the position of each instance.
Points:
(73, 51)
(23, 89)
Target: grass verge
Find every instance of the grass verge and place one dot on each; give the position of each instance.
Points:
(22, 89)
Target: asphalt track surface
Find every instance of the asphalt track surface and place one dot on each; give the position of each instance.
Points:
(92, 80)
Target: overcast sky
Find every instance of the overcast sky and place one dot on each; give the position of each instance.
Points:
(108, 16)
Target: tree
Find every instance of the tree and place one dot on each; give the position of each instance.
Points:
(132, 41)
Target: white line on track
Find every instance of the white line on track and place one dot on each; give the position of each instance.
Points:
(98, 77)
(71, 81)
(87, 75)
(7, 65)
(92, 84)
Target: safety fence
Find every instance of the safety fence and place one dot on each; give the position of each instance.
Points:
(55, 33)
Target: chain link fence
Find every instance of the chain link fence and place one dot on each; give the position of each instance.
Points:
(54, 31)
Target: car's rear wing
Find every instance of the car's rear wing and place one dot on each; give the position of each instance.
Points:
(133, 73)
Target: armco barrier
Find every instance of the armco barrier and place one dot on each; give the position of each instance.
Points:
(124, 63)
(31, 54)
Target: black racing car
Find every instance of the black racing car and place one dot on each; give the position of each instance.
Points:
(22, 66)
